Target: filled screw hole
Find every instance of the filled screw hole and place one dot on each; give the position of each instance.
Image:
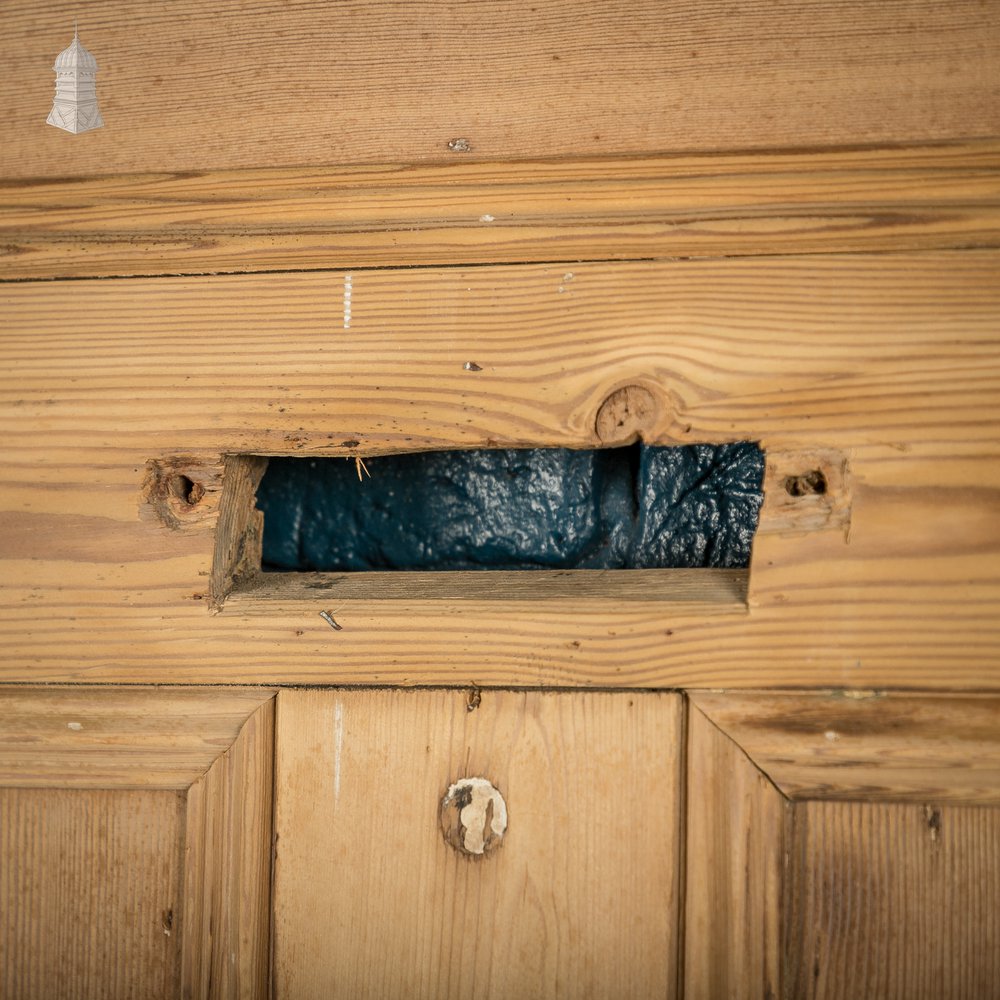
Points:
(185, 489)
(809, 484)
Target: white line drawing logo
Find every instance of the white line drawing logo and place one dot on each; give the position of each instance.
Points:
(75, 106)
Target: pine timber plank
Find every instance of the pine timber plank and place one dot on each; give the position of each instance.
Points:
(96, 737)
(870, 746)
(580, 899)
(893, 361)
(187, 86)
(90, 886)
(896, 901)
(737, 827)
(227, 872)
(891, 198)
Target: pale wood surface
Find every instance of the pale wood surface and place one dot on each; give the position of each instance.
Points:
(735, 843)
(192, 87)
(580, 898)
(90, 891)
(891, 198)
(867, 745)
(892, 360)
(227, 869)
(96, 737)
(896, 901)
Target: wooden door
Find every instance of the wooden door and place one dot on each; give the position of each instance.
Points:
(134, 842)
(579, 898)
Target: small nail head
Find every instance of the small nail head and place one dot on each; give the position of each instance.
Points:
(329, 619)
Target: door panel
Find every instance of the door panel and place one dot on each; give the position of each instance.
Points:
(89, 892)
(894, 900)
(843, 844)
(135, 835)
(580, 898)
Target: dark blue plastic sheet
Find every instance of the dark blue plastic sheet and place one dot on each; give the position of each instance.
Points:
(543, 508)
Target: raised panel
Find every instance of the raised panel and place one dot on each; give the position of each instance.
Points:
(580, 898)
(894, 900)
(90, 893)
(846, 842)
(135, 842)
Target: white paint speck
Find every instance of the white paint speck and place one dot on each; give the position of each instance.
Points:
(486, 218)
(831, 736)
(348, 289)
(568, 276)
(338, 744)
(75, 726)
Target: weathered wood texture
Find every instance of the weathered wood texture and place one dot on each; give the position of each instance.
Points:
(135, 855)
(580, 898)
(192, 87)
(876, 746)
(898, 198)
(735, 843)
(90, 890)
(227, 869)
(896, 901)
(891, 360)
(716, 591)
(95, 737)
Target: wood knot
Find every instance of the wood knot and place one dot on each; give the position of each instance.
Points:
(624, 415)
(181, 490)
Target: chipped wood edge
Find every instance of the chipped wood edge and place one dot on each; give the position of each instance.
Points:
(924, 196)
(225, 942)
(876, 746)
(806, 490)
(737, 830)
(239, 532)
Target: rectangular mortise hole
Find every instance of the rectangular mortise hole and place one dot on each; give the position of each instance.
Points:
(637, 522)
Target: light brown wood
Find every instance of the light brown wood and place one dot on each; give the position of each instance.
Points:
(737, 823)
(192, 87)
(90, 893)
(897, 901)
(96, 737)
(891, 360)
(713, 591)
(868, 744)
(890, 198)
(240, 529)
(129, 808)
(579, 899)
(227, 869)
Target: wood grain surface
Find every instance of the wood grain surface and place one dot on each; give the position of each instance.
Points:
(96, 737)
(934, 196)
(891, 360)
(189, 86)
(896, 901)
(867, 745)
(580, 898)
(90, 889)
(227, 869)
(737, 824)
